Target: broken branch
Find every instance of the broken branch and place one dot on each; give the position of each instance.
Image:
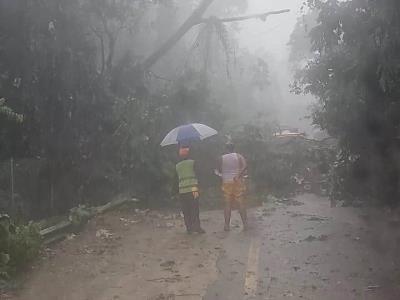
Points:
(195, 19)
(185, 27)
(262, 16)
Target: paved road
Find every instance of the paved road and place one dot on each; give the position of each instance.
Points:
(304, 249)
(297, 249)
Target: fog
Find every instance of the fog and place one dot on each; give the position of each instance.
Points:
(141, 70)
(273, 35)
(199, 149)
(272, 38)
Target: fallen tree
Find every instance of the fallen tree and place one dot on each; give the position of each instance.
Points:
(77, 218)
(196, 18)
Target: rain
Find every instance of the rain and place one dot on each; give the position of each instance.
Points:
(199, 149)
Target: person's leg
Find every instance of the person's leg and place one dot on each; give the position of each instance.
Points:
(196, 216)
(243, 215)
(185, 205)
(227, 214)
(226, 188)
(190, 211)
(239, 197)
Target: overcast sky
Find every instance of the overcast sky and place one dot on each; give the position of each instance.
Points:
(272, 35)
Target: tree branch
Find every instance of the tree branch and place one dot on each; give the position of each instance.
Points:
(262, 16)
(196, 19)
(159, 77)
(185, 27)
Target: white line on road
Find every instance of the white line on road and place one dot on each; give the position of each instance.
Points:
(251, 276)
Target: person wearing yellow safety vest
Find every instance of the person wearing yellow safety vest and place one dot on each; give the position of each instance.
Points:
(189, 191)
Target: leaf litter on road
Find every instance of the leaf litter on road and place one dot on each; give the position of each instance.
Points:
(104, 234)
(312, 238)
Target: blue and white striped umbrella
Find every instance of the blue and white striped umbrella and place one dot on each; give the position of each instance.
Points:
(188, 133)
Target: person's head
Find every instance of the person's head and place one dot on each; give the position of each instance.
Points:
(230, 147)
(184, 152)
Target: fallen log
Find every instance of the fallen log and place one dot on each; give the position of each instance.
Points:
(55, 239)
(59, 231)
(64, 225)
(112, 205)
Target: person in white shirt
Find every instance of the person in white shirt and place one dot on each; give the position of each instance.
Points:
(232, 168)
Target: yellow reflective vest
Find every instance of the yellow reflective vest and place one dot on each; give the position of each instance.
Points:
(187, 177)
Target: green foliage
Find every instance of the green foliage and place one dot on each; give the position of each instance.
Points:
(300, 41)
(92, 121)
(79, 216)
(273, 162)
(24, 246)
(8, 113)
(355, 76)
(19, 246)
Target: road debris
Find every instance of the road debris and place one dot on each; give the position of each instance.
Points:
(175, 278)
(128, 221)
(142, 212)
(164, 297)
(289, 202)
(169, 225)
(287, 294)
(104, 234)
(317, 219)
(373, 287)
(71, 236)
(167, 265)
(320, 238)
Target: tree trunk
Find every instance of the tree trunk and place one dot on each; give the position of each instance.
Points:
(262, 16)
(196, 19)
(185, 27)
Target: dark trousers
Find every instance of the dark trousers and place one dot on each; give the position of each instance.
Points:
(191, 211)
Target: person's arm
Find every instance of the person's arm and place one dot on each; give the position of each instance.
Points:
(196, 172)
(175, 188)
(218, 170)
(195, 169)
(243, 166)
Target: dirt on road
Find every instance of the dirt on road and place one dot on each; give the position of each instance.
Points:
(297, 249)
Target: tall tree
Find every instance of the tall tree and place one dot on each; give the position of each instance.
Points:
(195, 19)
(355, 76)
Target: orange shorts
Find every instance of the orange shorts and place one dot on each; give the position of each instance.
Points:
(234, 191)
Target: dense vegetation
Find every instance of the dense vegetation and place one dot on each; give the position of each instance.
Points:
(82, 116)
(81, 119)
(19, 245)
(354, 73)
(88, 88)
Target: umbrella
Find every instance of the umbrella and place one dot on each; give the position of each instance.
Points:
(188, 133)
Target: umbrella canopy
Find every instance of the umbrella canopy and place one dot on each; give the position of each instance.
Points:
(188, 133)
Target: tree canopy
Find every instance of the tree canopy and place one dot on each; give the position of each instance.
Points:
(86, 96)
(354, 73)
